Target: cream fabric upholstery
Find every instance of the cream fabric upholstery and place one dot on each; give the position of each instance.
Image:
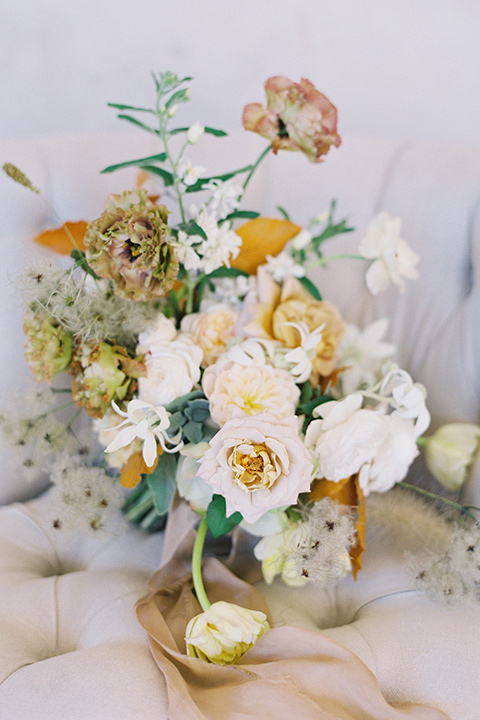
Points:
(70, 647)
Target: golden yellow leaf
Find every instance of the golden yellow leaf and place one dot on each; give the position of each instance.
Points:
(134, 468)
(262, 237)
(59, 240)
(345, 492)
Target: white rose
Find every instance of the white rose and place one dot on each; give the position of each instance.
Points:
(224, 632)
(450, 452)
(257, 463)
(346, 438)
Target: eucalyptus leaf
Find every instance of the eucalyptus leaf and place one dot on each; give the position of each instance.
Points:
(136, 163)
(193, 432)
(198, 410)
(217, 522)
(162, 482)
(180, 402)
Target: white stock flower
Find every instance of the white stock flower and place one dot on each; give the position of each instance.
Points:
(222, 243)
(224, 197)
(147, 423)
(346, 438)
(362, 353)
(189, 173)
(224, 632)
(283, 265)
(236, 390)
(392, 258)
(172, 361)
(190, 486)
(194, 133)
(450, 452)
(393, 456)
(257, 463)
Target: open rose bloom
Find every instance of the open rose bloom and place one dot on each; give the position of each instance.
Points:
(297, 117)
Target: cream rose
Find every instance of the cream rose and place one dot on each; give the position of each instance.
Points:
(172, 361)
(224, 632)
(235, 390)
(211, 331)
(257, 463)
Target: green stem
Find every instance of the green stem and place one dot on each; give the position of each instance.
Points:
(463, 509)
(255, 166)
(197, 566)
(173, 165)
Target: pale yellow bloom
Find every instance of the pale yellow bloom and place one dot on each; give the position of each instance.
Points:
(450, 452)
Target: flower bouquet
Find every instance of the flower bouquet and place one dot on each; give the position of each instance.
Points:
(214, 371)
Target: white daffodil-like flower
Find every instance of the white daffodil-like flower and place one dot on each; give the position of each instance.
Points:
(194, 133)
(283, 265)
(252, 351)
(406, 397)
(148, 423)
(189, 173)
(393, 260)
(361, 353)
(298, 361)
(224, 197)
(450, 452)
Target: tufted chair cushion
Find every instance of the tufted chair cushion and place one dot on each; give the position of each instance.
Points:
(70, 647)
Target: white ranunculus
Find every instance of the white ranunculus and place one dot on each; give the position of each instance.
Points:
(172, 361)
(393, 456)
(224, 632)
(190, 486)
(258, 463)
(393, 260)
(450, 452)
(346, 438)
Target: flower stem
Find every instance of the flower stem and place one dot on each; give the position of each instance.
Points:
(463, 509)
(197, 566)
(325, 260)
(254, 167)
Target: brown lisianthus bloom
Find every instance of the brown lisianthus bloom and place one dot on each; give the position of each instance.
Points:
(129, 244)
(291, 303)
(297, 117)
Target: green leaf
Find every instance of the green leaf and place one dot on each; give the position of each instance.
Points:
(224, 272)
(162, 482)
(136, 163)
(208, 130)
(306, 394)
(119, 106)
(193, 228)
(198, 410)
(137, 123)
(79, 257)
(180, 402)
(166, 176)
(249, 214)
(179, 96)
(283, 212)
(217, 522)
(312, 289)
(201, 182)
(310, 406)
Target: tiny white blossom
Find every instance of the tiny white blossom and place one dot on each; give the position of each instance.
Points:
(224, 197)
(302, 239)
(148, 423)
(392, 258)
(282, 265)
(222, 243)
(189, 173)
(362, 352)
(194, 133)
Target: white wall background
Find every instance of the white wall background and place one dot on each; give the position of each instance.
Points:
(393, 67)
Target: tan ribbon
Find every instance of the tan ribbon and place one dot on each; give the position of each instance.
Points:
(290, 674)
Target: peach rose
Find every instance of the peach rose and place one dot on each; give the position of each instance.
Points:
(257, 463)
(291, 303)
(211, 331)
